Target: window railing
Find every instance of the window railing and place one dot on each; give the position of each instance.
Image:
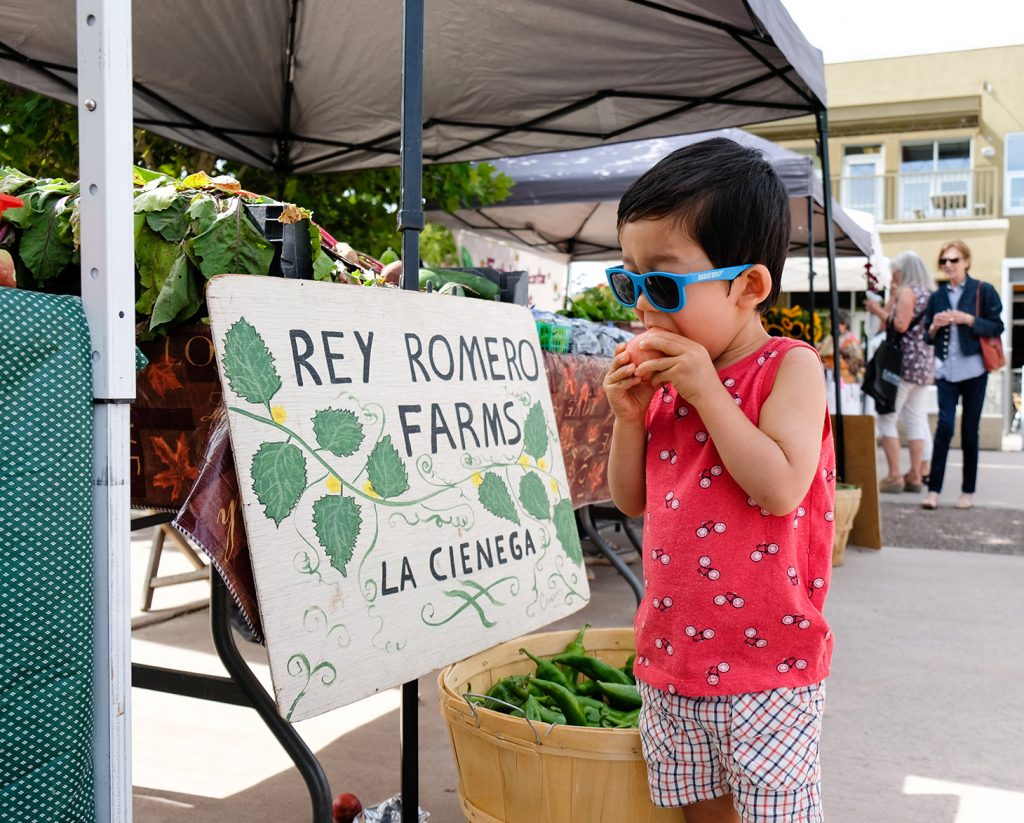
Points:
(909, 196)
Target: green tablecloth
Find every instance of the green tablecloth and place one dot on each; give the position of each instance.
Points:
(46, 603)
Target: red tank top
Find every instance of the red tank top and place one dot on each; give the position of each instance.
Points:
(733, 595)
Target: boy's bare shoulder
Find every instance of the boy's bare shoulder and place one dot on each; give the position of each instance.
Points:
(799, 380)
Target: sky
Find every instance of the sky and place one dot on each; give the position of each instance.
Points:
(869, 29)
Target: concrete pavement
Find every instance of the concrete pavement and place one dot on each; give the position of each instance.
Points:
(924, 721)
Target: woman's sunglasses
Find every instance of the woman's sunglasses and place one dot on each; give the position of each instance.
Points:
(664, 290)
(944, 260)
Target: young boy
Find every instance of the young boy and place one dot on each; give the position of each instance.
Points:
(723, 442)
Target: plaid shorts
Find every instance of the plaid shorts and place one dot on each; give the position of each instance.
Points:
(761, 747)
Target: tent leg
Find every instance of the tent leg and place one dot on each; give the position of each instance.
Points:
(410, 224)
(810, 266)
(830, 241)
(104, 58)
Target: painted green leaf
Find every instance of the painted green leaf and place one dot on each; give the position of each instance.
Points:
(249, 365)
(533, 496)
(338, 431)
(46, 246)
(566, 532)
(337, 521)
(179, 295)
(278, 478)
(232, 244)
(535, 438)
(386, 470)
(495, 498)
(202, 211)
(154, 258)
(171, 223)
(156, 199)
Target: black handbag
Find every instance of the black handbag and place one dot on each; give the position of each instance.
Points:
(885, 368)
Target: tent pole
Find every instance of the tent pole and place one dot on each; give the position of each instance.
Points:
(830, 244)
(410, 224)
(810, 266)
(104, 32)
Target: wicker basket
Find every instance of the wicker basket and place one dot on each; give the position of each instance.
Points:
(512, 771)
(847, 504)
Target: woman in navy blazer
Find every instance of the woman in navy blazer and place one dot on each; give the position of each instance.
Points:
(953, 322)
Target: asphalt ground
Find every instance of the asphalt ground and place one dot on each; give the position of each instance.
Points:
(994, 526)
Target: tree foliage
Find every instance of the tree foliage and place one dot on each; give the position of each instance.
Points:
(39, 136)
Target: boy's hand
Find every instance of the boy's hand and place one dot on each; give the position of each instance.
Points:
(628, 395)
(685, 364)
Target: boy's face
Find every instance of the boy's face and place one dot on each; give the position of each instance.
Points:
(710, 316)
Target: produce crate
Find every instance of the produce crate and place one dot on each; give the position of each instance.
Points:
(293, 252)
(513, 285)
(511, 770)
(554, 337)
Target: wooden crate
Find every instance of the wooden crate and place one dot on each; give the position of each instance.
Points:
(511, 770)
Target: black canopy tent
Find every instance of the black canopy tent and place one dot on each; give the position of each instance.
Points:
(308, 86)
(565, 202)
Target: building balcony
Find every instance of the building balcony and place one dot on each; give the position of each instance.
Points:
(902, 197)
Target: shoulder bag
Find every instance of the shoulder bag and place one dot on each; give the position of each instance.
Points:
(991, 347)
(885, 368)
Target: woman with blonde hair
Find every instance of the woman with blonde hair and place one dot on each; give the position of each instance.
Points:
(959, 312)
(912, 286)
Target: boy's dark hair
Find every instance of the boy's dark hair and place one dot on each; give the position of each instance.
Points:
(726, 196)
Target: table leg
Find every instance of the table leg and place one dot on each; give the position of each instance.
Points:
(305, 761)
(586, 519)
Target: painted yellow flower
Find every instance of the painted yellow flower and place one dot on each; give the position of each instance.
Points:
(333, 484)
(279, 414)
(524, 460)
(369, 489)
(554, 486)
(542, 464)
(478, 478)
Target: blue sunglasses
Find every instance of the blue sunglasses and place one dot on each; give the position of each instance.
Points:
(664, 290)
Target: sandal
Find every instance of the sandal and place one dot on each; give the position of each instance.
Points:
(912, 485)
(891, 485)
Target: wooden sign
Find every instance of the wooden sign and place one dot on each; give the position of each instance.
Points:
(402, 483)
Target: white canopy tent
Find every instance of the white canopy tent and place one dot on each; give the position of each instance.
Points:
(306, 85)
(565, 202)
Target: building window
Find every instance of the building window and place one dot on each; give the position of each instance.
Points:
(863, 176)
(935, 178)
(1014, 186)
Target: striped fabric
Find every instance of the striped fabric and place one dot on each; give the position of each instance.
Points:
(761, 747)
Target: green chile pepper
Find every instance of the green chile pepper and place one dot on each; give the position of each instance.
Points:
(513, 689)
(621, 696)
(548, 671)
(532, 708)
(589, 702)
(628, 668)
(593, 715)
(575, 647)
(614, 719)
(588, 688)
(593, 668)
(565, 700)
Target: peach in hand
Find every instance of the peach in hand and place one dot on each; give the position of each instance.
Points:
(639, 355)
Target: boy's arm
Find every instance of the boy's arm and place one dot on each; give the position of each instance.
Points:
(626, 467)
(775, 462)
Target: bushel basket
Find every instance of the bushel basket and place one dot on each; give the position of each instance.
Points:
(514, 771)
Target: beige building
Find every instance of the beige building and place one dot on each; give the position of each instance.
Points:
(933, 147)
